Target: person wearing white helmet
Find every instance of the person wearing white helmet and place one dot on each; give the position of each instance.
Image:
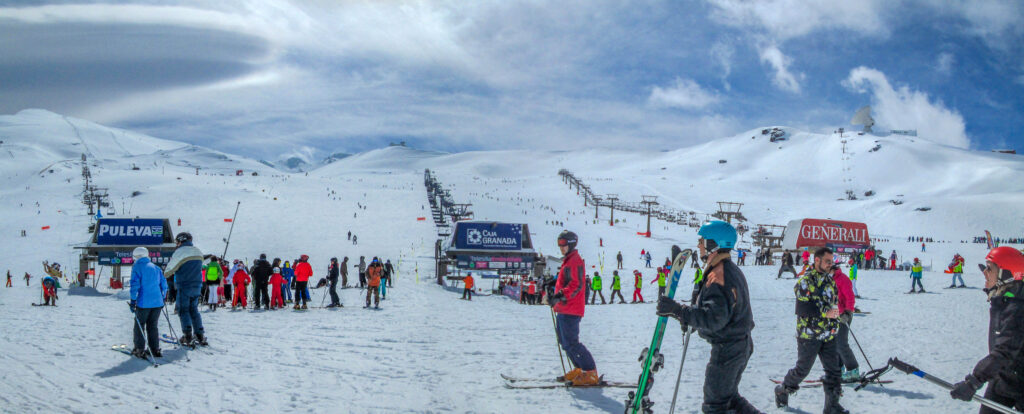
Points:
(148, 290)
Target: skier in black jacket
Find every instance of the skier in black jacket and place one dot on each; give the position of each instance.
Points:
(787, 265)
(389, 270)
(261, 273)
(721, 315)
(1003, 367)
(332, 276)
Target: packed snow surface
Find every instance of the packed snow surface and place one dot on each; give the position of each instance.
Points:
(427, 351)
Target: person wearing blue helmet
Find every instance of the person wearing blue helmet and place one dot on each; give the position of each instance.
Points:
(721, 315)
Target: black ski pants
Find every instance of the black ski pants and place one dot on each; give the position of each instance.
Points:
(334, 292)
(846, 355)
(149, 318)
(722, 377)
(300, 293)
(259, 295)
(593, 298)
(786, 268)
(807, 351)
(362, 279)
(617, 292)
(661, 291)
(465, 293)
(1006, 394)
(172, 292)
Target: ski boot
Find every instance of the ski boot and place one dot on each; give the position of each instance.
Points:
(832, 402)
(571, 375)
(201, 340)
(304, 306)
(186, 340)
(852, 375)
(296, 307)
(782, 393)
(140, 353)
(157, 353)
(587, 378)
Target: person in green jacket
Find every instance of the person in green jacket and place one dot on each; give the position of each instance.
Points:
(853, 280)
(662, 272)
(915, 276)
(616, 288)
(595, 287)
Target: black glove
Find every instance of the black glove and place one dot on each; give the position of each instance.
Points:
(556, 298)
(131, 305)
(964, 390)
(846, 317)
(669, 307)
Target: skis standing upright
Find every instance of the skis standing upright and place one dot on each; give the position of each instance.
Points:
(651, 359)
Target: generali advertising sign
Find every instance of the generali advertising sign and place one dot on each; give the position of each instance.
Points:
(819, 232)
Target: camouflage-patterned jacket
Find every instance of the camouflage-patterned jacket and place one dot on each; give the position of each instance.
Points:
(816, 294)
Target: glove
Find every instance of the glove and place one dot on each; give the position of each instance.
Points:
(964, 390)
(131, 305)
(669, 307)
(558, 297)
(846, 317)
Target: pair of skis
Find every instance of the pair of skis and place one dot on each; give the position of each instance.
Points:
(546, 383)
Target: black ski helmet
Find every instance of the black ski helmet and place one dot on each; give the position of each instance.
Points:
(183, 237)
(568, 238)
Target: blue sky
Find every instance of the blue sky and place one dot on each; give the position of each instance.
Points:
(270, 79)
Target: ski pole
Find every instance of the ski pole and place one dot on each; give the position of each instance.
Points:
(910, 369)
(324, 298)
(177, 342)
(558, 342)
(686, 345)
(858, 345)
(135, 315)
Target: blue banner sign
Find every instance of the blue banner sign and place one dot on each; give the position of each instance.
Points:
(133, 232)
(488, 236)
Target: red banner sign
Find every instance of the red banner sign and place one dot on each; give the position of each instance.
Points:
(818, 232)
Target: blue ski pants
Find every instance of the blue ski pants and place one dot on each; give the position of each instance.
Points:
(188, 313)
(569, 337)
(955, 277)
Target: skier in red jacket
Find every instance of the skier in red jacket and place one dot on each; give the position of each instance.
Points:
(302, 274)
(569, 302)
(241, 280)
(277, 283)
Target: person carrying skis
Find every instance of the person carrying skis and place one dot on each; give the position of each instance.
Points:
(148, 289)
(595, 286)
(816, 327)
(618, 259)
(467, 290)
(958, 270)
(373, 274)
(721, 315)
(277, 284)
(847, 306)
(289, 276)
(616, 288)
(569, 305)
(1003, 367)
(787, 265)
(915, 276)
(638, 282)
(303, 271)
(261, 273)
(49, 286)
(332, 276)
(186, 266)
(662, 272)
(241, 280)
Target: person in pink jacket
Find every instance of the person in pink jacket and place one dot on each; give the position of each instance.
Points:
(844, 288)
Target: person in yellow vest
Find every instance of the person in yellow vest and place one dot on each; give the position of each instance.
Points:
(915, 276)
(467, 292)
(661, 281)
(212, 281)
(616, 288)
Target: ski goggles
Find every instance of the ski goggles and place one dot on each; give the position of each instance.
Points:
(563, 242)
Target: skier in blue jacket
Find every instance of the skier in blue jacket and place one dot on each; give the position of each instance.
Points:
(186, 266)
(148, 290)
(289, 275)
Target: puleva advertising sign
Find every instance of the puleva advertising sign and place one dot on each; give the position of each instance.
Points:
(138, 232)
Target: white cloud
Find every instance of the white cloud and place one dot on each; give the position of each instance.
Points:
(783, 79)
(902, 108)
(944, 63)
(786, 19)
(722, 54)
(683, 93)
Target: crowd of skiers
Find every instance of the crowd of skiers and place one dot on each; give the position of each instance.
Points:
(720, 312)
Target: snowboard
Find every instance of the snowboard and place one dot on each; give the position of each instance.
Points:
(651, 359)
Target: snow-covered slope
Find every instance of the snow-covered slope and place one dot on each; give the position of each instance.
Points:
(426, 351)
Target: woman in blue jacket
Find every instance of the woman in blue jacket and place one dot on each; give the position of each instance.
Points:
(148, 290)
(289, 275)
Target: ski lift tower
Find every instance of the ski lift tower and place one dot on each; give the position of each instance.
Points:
(649, 200)
(728, 211)
(612, 198)
(769, 236)
(460, 212)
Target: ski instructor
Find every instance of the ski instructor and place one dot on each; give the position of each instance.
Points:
(186, 266)
(721, 315)
(568, 302)
(1003, 367)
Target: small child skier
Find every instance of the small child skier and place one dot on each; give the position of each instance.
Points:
(638, 282)
(277, 284)
(915, 276)
(289, 276)
(241, 280)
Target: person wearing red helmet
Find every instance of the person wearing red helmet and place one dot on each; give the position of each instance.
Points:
(302, 274)
(569, 303)
(1003, 367)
